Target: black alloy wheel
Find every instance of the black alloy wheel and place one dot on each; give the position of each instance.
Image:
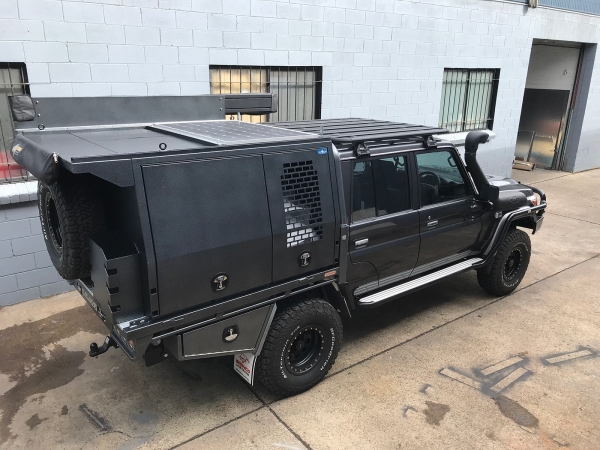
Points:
(508, 267)
(301, 346)
(512, 264)
(304, 350)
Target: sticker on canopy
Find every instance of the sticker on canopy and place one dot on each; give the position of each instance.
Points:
(322, 151)
(243, 364)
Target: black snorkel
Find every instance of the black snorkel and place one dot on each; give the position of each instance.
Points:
(487, 191)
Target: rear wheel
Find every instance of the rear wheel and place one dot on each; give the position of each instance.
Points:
(70, 212)
(509, 265)
(301, 346)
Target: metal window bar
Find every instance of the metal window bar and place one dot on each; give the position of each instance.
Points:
(468, 99)
(298, 88)
(13, 80)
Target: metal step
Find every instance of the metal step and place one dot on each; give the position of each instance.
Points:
(419, 282)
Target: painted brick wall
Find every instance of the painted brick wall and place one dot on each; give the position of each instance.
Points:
(26, 271)
(381, 58)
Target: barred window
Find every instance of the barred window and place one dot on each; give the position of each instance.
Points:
(298, 89)
(468, 99)
(13, 80)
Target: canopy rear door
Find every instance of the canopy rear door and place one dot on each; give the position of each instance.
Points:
(209, 219)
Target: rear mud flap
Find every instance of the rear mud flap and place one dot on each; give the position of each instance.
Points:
(244, 364)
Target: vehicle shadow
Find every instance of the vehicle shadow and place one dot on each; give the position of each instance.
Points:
(461, 292)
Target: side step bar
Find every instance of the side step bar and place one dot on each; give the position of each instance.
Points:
(412, 285)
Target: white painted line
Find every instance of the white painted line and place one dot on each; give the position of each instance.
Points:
(461, 378)
(501, 365)
(509, 379)
(291, 447)
(568, 356)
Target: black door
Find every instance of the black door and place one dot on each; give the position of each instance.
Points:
(450, 217)
(384, 233)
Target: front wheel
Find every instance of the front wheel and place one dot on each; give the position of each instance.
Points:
(301, 346)
(509, 265)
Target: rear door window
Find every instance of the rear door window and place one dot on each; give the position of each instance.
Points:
(379, 187)
(363, 191)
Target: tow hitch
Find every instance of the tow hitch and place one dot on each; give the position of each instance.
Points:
(108, 343)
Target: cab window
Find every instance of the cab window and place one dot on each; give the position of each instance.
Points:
(440, 178)
(379, 187)
(363, 192)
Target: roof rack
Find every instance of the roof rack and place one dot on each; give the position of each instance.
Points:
(352, 132)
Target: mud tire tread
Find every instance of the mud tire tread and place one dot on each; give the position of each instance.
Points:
(284, 321)
(493, 282)
(80, 214)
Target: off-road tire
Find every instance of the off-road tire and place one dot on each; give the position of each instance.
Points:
(310, 314)
(70, 211)
(496, 281)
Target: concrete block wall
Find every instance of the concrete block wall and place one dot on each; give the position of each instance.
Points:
(381, 58)
(26, 271)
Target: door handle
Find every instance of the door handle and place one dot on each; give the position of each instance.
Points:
(474, 205)
(360, 242)
(432, 224)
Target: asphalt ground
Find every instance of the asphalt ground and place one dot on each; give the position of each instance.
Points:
(447, 367)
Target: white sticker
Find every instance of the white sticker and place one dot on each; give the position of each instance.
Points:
(243, 363)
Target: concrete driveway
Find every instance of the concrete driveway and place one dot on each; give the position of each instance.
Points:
(447, 367)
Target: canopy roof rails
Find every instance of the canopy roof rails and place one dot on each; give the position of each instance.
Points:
(358, 134)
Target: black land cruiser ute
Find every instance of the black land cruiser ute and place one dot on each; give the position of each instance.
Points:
(192, 236)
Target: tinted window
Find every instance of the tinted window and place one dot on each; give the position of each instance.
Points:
(363, 192)
(380, 187)
(440, 178)
(391, 185)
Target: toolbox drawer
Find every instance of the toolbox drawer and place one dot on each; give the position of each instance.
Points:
(212, 340)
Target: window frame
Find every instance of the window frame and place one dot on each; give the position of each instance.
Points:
(444, 122)
(410, 183)
(318, 84)
(461, 168)
(7, 135)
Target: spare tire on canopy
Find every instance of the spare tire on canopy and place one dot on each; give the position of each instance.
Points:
(70, 211)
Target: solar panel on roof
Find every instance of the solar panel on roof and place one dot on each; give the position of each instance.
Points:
(229, 132)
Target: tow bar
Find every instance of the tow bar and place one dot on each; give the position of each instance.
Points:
(108, 343)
